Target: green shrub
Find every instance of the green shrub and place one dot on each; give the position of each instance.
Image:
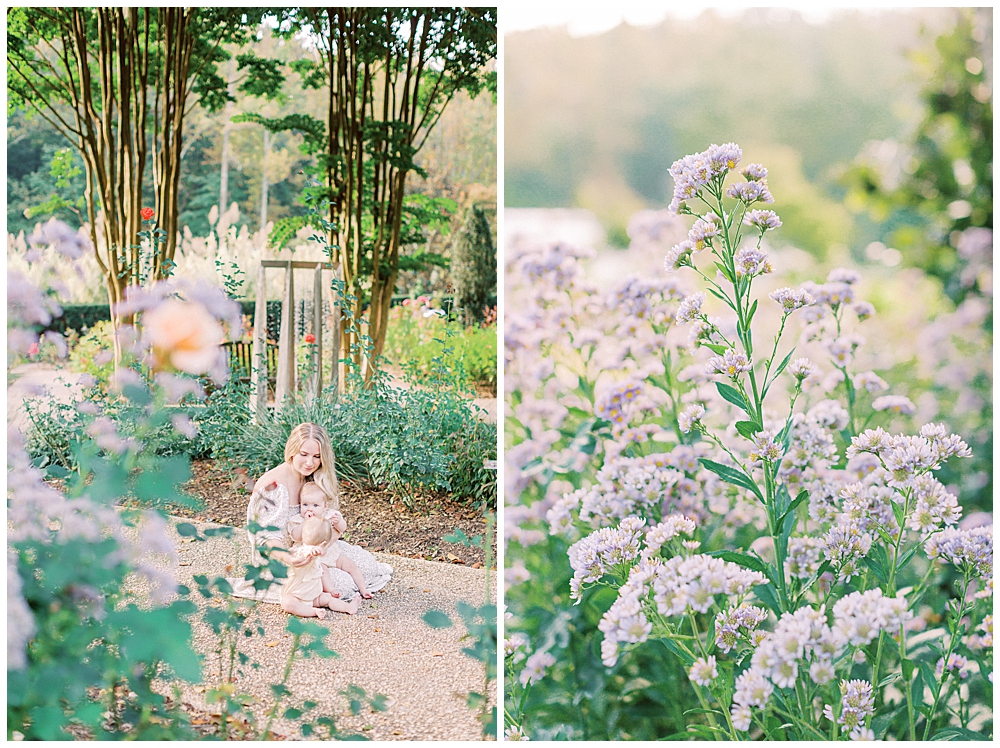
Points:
(430, 348)
(408, 440)
(93, 353)
(56, 430)
(474, 265)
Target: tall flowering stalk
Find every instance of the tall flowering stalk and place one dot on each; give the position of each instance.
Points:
(668, 454)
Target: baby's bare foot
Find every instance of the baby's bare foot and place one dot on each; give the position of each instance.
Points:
(365, 594)
(335, 593)
(352, 607)
(320, 612)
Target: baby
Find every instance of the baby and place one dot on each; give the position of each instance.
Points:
(313, 503)
(303, 592)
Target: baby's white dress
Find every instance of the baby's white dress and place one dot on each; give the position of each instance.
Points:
(304, 583)
(271, 509)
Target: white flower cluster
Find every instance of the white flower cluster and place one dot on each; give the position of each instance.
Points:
(693, 172)
(693, 582)
(791, 299)
(739, 622)
(860, 616)
(935, 506)
(673, 526)
(811, 451)
(679, 585)
(690, 307)
(969, 550)
(857, 702)
(733, 364)
(850, 537)
(906, 457)
(803, 559)
(804, 635)
(654, 485)
(703, 671)
(536, 667)
(625, 622)
(600, 552)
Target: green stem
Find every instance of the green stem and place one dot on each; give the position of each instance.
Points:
(909, 685)
(947, 655)
(284, 679)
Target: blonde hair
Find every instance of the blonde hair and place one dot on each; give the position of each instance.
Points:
(326, 474)
(316, 531)
(315, 488)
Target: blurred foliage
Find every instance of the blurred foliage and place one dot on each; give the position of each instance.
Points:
(607, 115)
(431, 348)
(926, 193)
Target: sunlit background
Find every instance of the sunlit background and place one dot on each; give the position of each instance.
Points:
(599, 101)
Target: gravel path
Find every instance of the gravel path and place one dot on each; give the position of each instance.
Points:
(385, 649)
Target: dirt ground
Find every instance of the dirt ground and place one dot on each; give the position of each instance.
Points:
(376, 519)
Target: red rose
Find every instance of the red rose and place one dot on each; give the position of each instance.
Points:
(309, 338)
(146, 213)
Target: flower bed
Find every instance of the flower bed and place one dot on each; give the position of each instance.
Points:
(719, 523)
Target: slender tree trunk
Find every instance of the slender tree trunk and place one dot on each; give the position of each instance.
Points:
(263, 189)
(227, 126)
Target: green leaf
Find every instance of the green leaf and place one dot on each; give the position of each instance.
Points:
(733, 395)
(436, 619)
(876, 568)
(906, 557)
(880, 724)
(747, 428)
(769, 596)
(725, 271)
(752, 312)
(670, 644)
(730, 475)
(958, 733)
(715, 348)
(891, 678)
(457, 536)
(783, 364)
(908, 666)
(802, 496)
(883, 534)
(743, 559)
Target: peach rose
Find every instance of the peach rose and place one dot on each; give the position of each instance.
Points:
(183, 335)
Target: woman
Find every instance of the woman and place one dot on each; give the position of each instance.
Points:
(275, 498)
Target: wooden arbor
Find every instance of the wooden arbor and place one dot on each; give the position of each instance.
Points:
(287, 374)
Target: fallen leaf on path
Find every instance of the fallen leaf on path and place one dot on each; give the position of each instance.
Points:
(437, 654)
(272, 644)
(455, 559)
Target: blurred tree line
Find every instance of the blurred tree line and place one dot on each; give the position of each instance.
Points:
(596, 121)
(240, 173)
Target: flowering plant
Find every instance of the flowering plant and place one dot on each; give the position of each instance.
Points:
(778, 545)
(98, 629)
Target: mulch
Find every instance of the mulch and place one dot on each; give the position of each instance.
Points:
(376, 519)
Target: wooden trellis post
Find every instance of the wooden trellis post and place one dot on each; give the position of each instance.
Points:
(286, 375)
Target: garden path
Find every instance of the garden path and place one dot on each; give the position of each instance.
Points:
(385, 649)
(28, 380)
